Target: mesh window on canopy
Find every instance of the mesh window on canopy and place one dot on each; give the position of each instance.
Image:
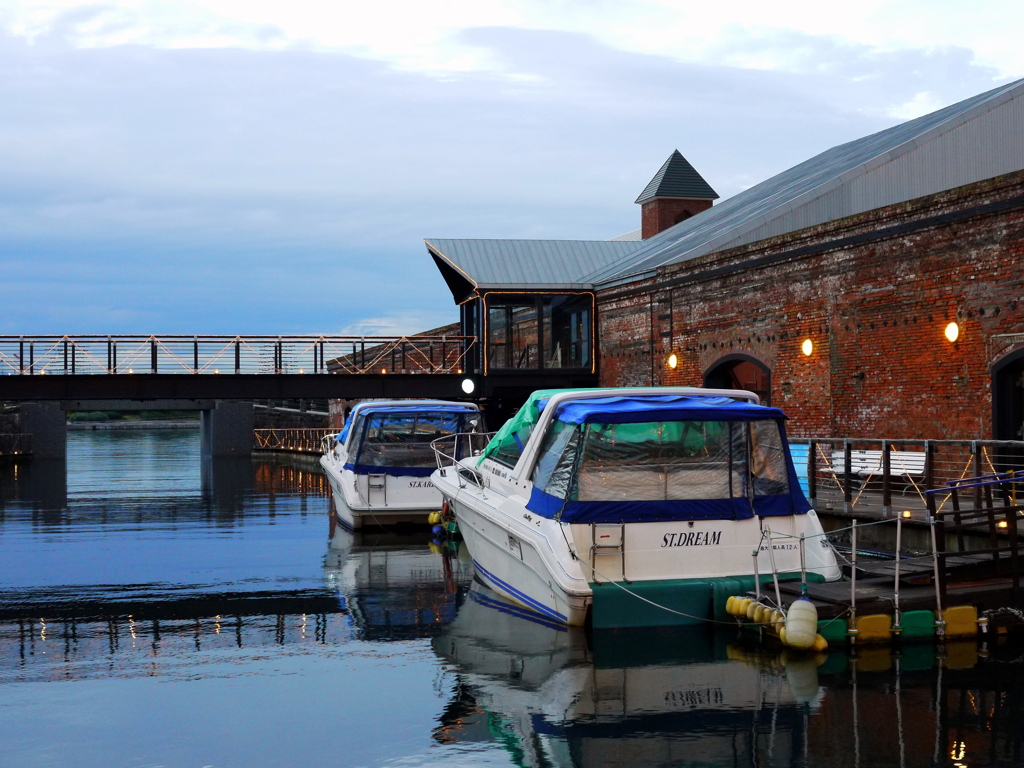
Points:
(768, 469)
(650, 461)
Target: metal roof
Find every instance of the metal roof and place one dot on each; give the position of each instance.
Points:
(527, 264)
(632, 235)
(976, 139)
(677, 178)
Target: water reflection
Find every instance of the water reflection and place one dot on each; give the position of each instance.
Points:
(180, 599)
(395, 586)
(551, 696)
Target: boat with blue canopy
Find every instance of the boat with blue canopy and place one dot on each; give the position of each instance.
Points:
(379, 465)
(635, 507)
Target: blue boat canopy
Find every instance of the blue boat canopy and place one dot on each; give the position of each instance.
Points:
(394, 439)
(648, 458)
(633, 409)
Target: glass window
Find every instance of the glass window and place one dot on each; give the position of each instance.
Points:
(536, 331)
(403, 439)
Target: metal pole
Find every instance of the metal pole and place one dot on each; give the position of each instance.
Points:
(803, 567)
(757, 575)
(852, 631)
(195, 354)
(775, 572)
(896, 584)
(152, 354)
(238, 356)
(940, 625)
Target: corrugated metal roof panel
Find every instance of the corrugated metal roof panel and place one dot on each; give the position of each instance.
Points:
(975, 139)
(536, 263)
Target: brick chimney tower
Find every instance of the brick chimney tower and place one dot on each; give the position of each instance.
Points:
(676, 193)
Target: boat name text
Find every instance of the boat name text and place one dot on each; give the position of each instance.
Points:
(692, 539)
(420, 484)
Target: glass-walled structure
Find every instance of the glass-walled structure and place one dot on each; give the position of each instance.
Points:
(524, 332)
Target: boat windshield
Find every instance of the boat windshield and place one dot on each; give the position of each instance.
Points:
(654, 470)
(399, 442)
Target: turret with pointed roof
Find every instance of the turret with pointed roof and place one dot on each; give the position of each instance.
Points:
(676, 193)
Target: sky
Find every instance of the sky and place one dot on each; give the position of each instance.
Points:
(256, 167)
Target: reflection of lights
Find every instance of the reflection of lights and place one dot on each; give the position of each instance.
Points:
(42, 629)
(959, 750)
(216, 624)
(131, 627)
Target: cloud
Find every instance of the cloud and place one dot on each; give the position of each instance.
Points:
(229, 190)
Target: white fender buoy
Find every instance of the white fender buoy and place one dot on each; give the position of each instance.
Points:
(801, 624)
(802, 676)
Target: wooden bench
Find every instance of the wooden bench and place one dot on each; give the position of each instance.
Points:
(867, 464)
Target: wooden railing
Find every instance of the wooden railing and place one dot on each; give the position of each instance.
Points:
(997, 515)
(890, 477)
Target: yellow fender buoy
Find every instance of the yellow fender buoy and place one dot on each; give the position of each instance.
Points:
(820, 644)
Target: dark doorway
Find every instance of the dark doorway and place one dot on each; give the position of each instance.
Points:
(1008, 397)
(741, 372)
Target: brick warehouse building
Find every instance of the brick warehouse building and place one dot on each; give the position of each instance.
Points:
(829, 288)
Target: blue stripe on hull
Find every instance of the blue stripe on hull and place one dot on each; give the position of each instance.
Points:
(520, 596)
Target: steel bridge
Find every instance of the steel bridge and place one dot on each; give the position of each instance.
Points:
(219, 375)
(231, 367)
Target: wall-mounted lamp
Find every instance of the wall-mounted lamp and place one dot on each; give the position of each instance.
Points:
(952, 332)
(468, 386)
(672, 361)
(807, 347)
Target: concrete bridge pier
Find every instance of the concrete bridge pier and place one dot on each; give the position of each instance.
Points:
(226, 429)
(47, 423)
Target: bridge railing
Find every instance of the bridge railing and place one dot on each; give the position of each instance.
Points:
(85, 355)
(302, 440)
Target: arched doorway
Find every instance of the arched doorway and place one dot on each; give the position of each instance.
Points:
(741, 372)
(1008, 397)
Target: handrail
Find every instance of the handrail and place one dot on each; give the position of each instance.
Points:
(258, 354)
(451, 449)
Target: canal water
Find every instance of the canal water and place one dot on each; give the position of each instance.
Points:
(156, 610)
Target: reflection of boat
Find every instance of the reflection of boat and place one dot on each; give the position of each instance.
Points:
(379, 465)
(395, 586)
(552, 701)
(665, 493)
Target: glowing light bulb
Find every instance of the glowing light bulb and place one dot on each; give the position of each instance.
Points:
(952, 332)
(807, 347)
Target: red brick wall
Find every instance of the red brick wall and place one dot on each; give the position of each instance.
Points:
(663, 212)
(875, 311)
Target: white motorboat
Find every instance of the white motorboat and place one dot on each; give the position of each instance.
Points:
(379, 465)
(634, 507)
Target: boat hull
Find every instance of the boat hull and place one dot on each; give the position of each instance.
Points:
(416, 498)
(672, 574)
